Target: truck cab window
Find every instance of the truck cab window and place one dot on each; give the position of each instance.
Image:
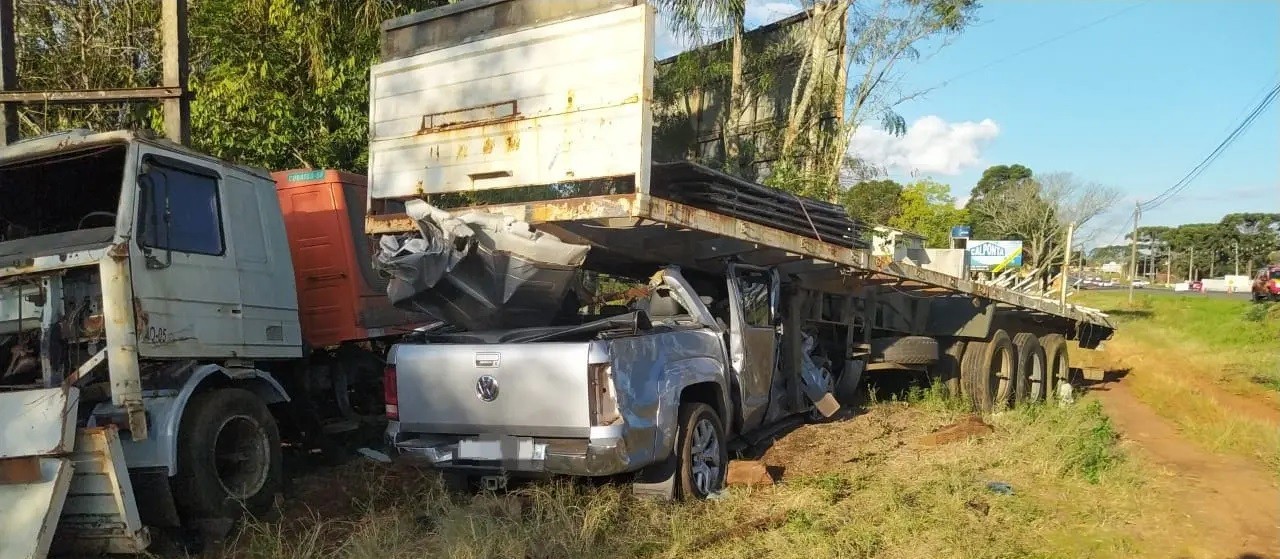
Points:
(180, 212)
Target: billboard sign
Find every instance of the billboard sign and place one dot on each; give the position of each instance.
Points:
(960, 231)
(994, 256)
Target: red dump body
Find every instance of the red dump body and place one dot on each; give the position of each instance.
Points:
(341, 298)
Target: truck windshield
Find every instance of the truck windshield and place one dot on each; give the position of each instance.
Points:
(60, 201)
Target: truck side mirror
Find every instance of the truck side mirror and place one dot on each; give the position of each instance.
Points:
(157, 218)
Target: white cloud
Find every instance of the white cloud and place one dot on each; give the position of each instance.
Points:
(931, 145)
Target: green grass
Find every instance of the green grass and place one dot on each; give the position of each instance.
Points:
(876, 495)
(1211, 366)
(1242, 337)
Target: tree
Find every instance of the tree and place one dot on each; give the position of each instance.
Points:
(875, 201)
(1038, 210)
(993, 179)
(927, 208)
(276, 83)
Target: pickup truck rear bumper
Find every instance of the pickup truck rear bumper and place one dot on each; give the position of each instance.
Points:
(604, 453)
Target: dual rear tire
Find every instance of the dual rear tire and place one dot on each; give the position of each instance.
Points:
(1001, 372)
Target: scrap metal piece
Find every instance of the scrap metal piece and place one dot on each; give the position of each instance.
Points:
(480, 270)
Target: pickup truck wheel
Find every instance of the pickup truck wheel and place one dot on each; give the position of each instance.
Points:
(229, 456)
(906, 350)
(1057, 364)
(704, 457)
(1029, 367)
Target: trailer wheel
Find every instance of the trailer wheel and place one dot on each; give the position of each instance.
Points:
(907, 350)
(987, 369)
(229, 457)
(1057, 363)
(1030, 367)
(945, 373)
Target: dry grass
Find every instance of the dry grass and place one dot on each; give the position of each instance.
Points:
(1224, 396)
(855, 488)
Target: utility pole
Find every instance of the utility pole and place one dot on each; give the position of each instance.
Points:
(1133, 249)
(1190, 264)
(1066, 264)
(1237, 258)
(1212, 260)
(1168, 275)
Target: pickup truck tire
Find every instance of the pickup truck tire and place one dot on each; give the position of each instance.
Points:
(703, 454)
(1057, 363)
(945, 372)
(907, 350)
(1029, 365)
(986, 370)
(229, 456)
(684, 474)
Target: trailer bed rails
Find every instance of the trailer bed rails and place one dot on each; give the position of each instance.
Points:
(642, 230)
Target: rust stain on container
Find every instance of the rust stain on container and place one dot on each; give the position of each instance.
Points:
(462, 151)
(513, 142)
(488, 145)
(569, 102)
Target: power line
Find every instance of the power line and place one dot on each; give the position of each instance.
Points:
(1196, 171)
(1035, 46)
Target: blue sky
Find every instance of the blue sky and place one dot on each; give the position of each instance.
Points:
(1133, 102)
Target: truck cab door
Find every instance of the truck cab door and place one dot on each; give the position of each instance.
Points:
(753, 338)
(185, 282)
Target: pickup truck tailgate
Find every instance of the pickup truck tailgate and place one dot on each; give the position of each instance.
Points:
(528, 389)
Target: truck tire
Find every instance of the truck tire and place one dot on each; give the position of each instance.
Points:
(229, 456)
(986, 368)
(945, 372)
(907, 350)
(1029, 364)
(1057, 363)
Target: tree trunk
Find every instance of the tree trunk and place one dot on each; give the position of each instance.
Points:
(734, 107)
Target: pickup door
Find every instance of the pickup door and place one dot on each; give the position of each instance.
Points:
(527, 389)
(753, 338)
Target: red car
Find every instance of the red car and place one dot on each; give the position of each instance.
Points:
(1197, 286)
(1266, 284)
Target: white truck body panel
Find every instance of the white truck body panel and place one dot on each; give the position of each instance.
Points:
(37, 428)
(565, 101)
(100, 514)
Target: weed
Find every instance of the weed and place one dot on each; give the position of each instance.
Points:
(1259, 312)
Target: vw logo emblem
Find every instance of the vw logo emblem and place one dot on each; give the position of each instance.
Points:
(487, 388)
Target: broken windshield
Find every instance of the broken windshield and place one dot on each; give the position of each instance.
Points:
(58, 202)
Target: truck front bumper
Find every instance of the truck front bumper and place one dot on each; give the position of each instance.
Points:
(603, 453)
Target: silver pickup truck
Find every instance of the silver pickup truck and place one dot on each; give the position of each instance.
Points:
(659, 391)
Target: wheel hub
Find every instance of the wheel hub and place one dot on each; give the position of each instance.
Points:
(241, 456)
(705, 457)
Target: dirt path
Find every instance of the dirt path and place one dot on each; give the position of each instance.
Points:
(1230, 502)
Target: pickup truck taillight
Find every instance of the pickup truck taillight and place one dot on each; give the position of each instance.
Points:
(390, 392)
(604, 401)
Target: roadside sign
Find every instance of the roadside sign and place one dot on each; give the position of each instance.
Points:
(994, 256)
(960, 232)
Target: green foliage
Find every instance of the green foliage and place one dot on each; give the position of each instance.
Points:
(874, 201)
(927, 207)
(1255, 235)
(285, 83)
(993, 179)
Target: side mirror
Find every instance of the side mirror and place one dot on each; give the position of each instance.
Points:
(157, 219)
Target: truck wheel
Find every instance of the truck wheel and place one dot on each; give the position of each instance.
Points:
(907, 350)
(1030, 368)
(704, 456)
(945, 373)
(986, 370)
(229, 457)
(1057, 363)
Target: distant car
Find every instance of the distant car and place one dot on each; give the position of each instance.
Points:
(1197, 286)
(1139, 284)
(1266, 284)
